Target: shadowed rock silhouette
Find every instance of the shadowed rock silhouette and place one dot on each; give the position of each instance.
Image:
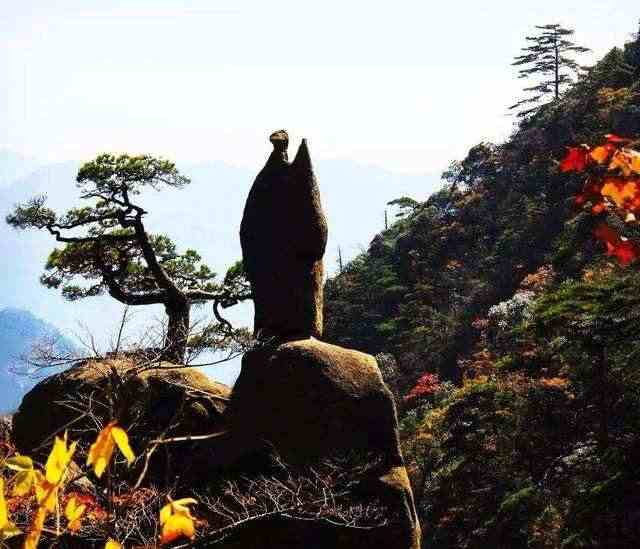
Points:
(307, 399)
(283, 236)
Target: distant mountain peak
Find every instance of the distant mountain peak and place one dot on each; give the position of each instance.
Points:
(14, 166)
(19, 330)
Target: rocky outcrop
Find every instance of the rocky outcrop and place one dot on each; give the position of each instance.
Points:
(312, 398)
(310, 401)
(183, 400)
(283, 235)
(305, 399)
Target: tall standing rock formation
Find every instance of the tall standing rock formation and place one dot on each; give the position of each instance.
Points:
(308, 399)
(283, 236)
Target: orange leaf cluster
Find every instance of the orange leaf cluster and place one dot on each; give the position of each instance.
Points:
(177, 521)
(613, 185)
(554, 382)
(624, 193)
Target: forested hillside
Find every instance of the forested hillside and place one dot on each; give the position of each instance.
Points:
(513, 335)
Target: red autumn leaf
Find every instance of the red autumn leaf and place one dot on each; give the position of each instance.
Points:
(613, 138)
(575, 160)
(606, 234)
(625, 251)
(425, 386)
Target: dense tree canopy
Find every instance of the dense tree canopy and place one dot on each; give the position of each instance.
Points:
(506, 286)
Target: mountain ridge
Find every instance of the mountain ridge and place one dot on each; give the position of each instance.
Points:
(19, 330)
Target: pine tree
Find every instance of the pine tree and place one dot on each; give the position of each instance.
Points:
(117, 255)
(548, 56)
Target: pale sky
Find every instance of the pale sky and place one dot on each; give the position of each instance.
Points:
(405, 85)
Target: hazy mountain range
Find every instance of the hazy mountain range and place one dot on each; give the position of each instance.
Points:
(14, 166)
(19, 330)
(205, 216)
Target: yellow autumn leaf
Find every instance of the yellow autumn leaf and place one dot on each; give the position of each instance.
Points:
(177, 521)
(25, 477)
(112, 544)
(176, 506)
(35, 531)
(122, 441)
(23, 483)
(7, 528)
(59, 459)
(73, 512)
(165, 513)
(4, 514)
(176, 527)
(102, 449)
(19, 463)
(46, 492)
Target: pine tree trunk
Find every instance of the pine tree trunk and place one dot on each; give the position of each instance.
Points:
(175, 343)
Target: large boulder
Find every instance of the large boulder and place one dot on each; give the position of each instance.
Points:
(169, 400)
(307, 396)
(309, 401)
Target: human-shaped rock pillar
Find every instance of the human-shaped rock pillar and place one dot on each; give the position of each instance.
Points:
(308, 400)
(283, 236)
